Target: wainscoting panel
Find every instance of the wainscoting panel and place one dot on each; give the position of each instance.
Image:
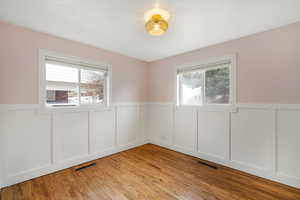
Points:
(289, 143)
(102, 130)
(213, 134)
(185, 128)
(25, 137)
(161, 123)
(35, 142)
(2, 182)
(70, 136)
(253, 138)
(128, 124)
(144, 118)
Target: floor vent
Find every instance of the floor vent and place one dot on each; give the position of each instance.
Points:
(208, 165)
(86, 166)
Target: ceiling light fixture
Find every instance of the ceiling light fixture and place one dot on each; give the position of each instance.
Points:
(156, 21)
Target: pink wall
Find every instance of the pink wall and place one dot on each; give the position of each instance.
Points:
(19, 66)
(268, 67)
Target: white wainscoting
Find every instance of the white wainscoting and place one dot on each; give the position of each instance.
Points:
(161, 123)
(35, 142)
(185, 129)
(25, 139)
(253, 138)
(258, 139)
(70, 136)
(213, 134)
(288, 143)
(128, 125)
(102, 131)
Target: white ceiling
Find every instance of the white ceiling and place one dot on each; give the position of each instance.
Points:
(117, 25)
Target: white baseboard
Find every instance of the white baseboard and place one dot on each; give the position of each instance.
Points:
(34, 173)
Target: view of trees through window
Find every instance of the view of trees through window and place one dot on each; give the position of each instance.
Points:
(217, 85)
(206, 86)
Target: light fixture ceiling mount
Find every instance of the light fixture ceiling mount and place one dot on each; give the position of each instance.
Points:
(156, 21)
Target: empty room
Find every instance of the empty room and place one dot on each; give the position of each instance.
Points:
(149, 100)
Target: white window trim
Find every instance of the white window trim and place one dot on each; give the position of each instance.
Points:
(204, 64)
(94, 65)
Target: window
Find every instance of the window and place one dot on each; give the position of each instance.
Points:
(69, 82)
(206, 84)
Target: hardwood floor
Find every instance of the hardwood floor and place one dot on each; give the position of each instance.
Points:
(153, 173)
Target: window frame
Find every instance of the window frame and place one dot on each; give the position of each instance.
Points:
(74, 62)
(205, 65)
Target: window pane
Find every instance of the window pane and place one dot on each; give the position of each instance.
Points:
(91, 94)
(61, 85)
(191, 88)
(217, 84)
(61, 73)
(60, 96)
(92, 87)
(92, 77)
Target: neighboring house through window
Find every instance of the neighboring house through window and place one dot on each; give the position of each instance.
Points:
(69, 81)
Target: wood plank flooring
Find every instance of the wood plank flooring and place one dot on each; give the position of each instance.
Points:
(150, 172)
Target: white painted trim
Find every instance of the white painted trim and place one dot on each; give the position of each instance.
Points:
(229, 108)
(161, 103)
(288, 106)
(210, 108)
(116, 127)
(233, 82)
(275, 143)
(257, 106)
(12, 107)
(27, 175)
(1, 162)
(129, 103)
(53, 166)
(230, 138)
(269, 173)
(42, 54)
(89, 133)
(281, 178)
(69, 110)
(233, 75)
(269, 106)
(208, 61)
(71, 58)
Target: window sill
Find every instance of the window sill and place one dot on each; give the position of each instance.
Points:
(210, 108)
(83, 108)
